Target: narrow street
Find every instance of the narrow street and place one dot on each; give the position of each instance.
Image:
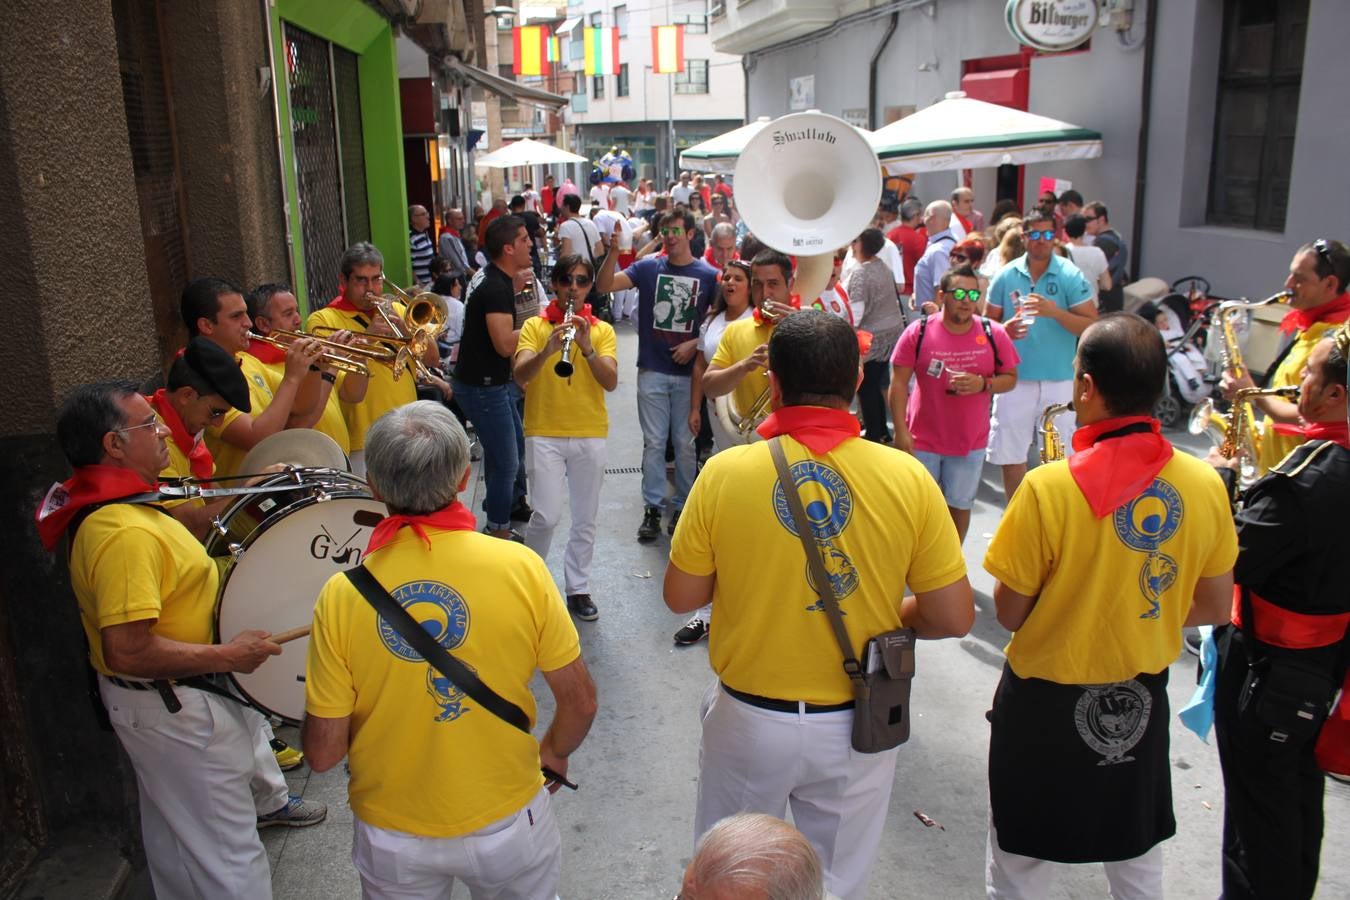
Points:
(627, 833)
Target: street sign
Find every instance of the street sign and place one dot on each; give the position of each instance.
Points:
(1051, 26)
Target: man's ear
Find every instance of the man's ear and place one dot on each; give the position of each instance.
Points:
(112, 445)
(374, 491)
(775, 390)
(205, 325)
(464, 480)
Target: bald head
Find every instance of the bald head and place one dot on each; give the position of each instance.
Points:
(937, 216)
(752, 856)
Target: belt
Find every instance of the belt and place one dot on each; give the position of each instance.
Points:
(164, 687)
(785, 706)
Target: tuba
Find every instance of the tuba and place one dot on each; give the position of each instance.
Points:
(806, 184)
(1052, 443)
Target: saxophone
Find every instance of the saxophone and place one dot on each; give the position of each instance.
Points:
(1230, 348)
(1238, 438)
(1052, 444)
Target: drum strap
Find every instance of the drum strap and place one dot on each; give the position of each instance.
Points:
(398, 618)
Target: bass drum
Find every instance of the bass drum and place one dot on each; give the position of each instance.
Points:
(278, 550)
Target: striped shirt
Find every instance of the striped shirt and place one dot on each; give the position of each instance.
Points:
(422, 252)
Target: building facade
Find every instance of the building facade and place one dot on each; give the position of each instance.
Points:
(1218, 156)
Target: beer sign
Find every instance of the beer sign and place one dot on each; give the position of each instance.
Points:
(1051, 26)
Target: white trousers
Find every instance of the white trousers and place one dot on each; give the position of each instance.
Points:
(193, 769)
(755, 760)
(1008, 876)
(549, 461)
(268, 784)
(1016, 418)
(518, 857)
(625, 304)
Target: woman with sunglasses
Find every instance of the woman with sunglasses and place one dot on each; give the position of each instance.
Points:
(731, 305)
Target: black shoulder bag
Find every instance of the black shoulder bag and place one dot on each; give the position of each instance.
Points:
(881, 692)
(398, 618)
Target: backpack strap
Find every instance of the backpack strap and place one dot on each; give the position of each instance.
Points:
(989, 336)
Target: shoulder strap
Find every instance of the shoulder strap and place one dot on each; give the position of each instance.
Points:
(824, 587)
(993, 345)
(398, 618)
(918, 342)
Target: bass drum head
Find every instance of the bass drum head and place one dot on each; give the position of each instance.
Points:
(273, 584)
(249, 512)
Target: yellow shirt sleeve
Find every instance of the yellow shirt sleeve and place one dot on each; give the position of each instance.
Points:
(1017, 555)
(691, 547)
(937, 560)
(534, 334)
(127, 566)
(330, 692)
(603, 339)
(724, 356)
(559, 643)
(1224, 554)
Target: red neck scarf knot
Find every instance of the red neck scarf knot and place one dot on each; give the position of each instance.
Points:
(554, 313)
(455, 517)
(1116, 459)
(1297, 320)
(818, 428)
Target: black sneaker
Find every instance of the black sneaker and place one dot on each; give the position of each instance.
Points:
(1192, 641)
(651, 524)
(522, 511)
(580, 605)
(674, 520)
(693, 631)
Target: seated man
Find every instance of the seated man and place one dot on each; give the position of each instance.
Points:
(471, 803)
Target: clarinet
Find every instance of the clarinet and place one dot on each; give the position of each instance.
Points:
(563, 368)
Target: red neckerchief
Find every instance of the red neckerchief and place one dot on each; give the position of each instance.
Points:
(340, 302)
(819, 428)
(455, 517)
(453, 231)
(88, 485)
(1297, 320)
(1338, 432)
(264, 352)
(1111, 470)
(199, 457)
(793, 301)
(554, 314)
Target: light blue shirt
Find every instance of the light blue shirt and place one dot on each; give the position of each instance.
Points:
(934, 263)
(1048, 349)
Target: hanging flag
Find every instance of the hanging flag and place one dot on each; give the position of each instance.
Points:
(667, 48)
(531, 51)
(602, 51)
(554, 49)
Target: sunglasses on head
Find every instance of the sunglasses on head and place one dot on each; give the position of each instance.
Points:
(1046, 235)
(1322, 247)
(964, 294)
(578, 280)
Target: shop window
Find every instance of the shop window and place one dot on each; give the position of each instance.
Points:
(1260, 73)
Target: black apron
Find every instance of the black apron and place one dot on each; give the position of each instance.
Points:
(1080, 773)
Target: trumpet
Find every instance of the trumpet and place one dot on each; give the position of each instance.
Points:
(1052, 443)
(563, 368)
(335, 355)
(413, 333)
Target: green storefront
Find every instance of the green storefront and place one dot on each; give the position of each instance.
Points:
(337, 87)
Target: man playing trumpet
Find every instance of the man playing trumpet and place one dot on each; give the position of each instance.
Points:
(566, 422)
(1318, 276)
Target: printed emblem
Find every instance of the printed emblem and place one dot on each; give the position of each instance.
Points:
(675, 303)
(437, 608)
(1111, 719)
(829, 505)
(258, 380)
(447, 696)
(1144, 524)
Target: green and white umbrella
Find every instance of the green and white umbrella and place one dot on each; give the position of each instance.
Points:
(961, 133)
(719, 154)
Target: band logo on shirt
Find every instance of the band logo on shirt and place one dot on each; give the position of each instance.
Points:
(442, 613)
(1143, 524)
(676, 303)
(829, 505)
(1111, 718)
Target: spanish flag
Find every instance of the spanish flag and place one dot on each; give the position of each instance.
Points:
(602, 51)
(531, 50)
(667, 48)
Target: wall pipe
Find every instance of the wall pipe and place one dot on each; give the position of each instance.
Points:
(872, 121)
(1141, 154)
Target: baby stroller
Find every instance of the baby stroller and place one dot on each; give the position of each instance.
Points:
(1182, 317)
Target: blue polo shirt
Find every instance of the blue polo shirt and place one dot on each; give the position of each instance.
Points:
(1048, 349)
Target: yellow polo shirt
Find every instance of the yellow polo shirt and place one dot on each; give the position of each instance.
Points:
(566, 407)
(1273, 446)
(1113, 592)
(130, 562)
(331, 422)
(738, 341)
(881, 524)
(263, 384)
(493, 605)
(383, 392)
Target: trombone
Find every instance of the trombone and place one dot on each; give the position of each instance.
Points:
(425, 318)
(335, 355)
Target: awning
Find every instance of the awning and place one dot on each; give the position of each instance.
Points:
(505, 86)
(567, 26)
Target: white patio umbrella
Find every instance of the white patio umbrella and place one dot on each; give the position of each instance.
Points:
(961, 133)
(526, 152)
(718, 155)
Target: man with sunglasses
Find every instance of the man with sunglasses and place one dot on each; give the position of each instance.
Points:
(960, 361)
(674, 290)
(1047, 304)
(1318, 276)
(566, 423)
(1113, 246)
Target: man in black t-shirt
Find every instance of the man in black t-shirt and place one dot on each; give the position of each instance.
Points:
(1117, 255)
(483, 370)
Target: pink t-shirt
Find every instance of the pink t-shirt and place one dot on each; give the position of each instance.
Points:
(943, 423)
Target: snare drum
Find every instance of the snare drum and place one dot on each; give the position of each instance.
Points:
(279, 549)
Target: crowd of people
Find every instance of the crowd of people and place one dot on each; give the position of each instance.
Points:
(940, 341)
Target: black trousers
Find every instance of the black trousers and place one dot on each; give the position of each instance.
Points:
(1272, 820)
(872, 399)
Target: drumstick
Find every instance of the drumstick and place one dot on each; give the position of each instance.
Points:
(284, 637)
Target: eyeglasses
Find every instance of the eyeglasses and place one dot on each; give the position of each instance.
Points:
(1091, 218)
(672, 232)
(368, 280)
(153, 423)
(965, 294)
(1047, 235)
(578, 280)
